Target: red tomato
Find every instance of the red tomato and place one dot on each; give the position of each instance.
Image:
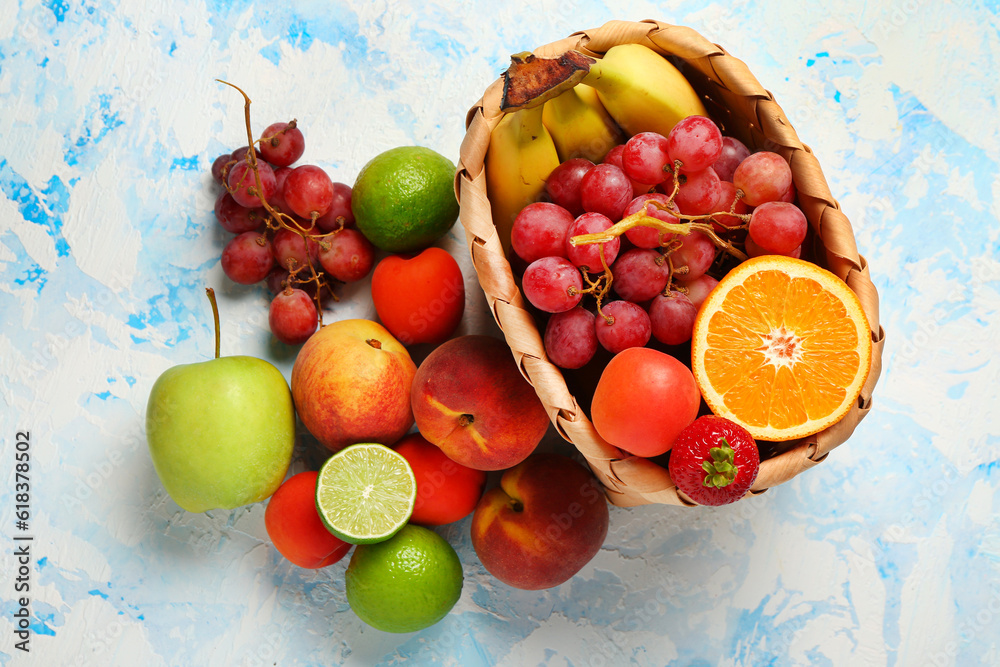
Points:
(421, 298)
(295, 528)
(446, 491)
(643, 400)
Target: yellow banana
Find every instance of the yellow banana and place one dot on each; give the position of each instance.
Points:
(580, 126)
(520, 157)
(642, 90)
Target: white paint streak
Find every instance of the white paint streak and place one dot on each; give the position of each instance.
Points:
(101, 636)
(901, 34)
(962, 184)
(36, 241)
(980, 504)
(927, 613)
(581, 643)
(111, 256)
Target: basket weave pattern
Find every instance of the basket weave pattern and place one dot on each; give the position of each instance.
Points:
(745, 110)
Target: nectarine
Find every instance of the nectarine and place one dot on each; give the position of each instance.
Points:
(446, 491)
(470, 399)
(351, 383)
(294, 526)
(419, 299)
(546, 520)
(643, 400)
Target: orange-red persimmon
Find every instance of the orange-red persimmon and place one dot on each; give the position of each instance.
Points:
(446, 491)
(295, 528)
(643, 400)
(419, 298)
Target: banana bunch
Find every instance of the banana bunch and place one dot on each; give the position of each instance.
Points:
(550, 117)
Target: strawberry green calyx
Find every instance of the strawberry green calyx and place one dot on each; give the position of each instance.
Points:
(714, 461)
(721, 470)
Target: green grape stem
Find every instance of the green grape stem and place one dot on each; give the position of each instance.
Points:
(642, 219)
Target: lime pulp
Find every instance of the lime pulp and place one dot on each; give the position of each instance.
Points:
(365, 493)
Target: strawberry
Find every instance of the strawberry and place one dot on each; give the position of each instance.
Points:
(714, 461)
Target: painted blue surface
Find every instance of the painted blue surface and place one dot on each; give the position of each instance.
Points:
(110, 117)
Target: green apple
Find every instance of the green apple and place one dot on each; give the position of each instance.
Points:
(221, 432)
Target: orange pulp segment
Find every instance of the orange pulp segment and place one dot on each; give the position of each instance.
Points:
(782, 347)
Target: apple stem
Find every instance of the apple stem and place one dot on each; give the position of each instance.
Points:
(215, 316)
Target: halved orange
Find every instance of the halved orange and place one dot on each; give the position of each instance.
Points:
(781, 347)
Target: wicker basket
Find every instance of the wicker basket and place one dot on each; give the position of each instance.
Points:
(746, 110)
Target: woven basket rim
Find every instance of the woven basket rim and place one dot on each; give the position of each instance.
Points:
(630, 480)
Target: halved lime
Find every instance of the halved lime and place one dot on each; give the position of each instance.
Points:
(365, 493)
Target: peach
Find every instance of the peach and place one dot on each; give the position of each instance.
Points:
(351, 383)
(470, 399)
(546, 520)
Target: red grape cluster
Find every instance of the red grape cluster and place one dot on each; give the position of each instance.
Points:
(625, 250)
(294, 229)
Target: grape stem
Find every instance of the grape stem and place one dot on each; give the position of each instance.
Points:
(642, 219)
(273, 139)
(600, 286)
(693, 222)
(279, 220)
(676, 173)
(605, 285)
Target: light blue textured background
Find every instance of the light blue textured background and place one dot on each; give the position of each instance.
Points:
(110, 116)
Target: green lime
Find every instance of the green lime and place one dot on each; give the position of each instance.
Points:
(404, 198)
(365, 493)
(407, 583)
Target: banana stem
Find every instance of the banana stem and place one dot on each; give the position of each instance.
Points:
(594, 73)
(531, 80)
(529, 121)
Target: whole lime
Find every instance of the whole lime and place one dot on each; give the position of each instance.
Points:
(406, 583)
(404, 198)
